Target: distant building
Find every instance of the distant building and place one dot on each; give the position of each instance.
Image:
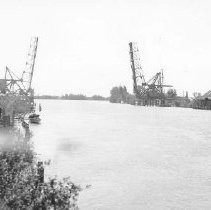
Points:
(203, 102)
(177, 101)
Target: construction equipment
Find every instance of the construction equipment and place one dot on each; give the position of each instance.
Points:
(29, 71)
(150, 92)
(16, 94)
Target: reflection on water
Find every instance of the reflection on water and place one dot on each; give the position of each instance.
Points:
(7, 137)
(67, 145)
(134, 157)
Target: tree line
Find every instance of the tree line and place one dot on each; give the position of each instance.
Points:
(72, 97)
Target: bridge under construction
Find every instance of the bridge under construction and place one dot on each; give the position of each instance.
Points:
(147, 93)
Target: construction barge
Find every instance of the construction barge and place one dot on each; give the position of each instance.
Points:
(16, 94)
(151, 92)
(147, 93)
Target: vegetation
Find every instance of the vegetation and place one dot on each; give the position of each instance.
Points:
(120, 95)
(196, 95)
(72, 97)
(47, 97)
(97, 98)
(171, 93)
(22, 185)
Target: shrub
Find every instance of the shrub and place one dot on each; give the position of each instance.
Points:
(21, 186)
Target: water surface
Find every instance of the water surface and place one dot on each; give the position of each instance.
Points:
(134, 157)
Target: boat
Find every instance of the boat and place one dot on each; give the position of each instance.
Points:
(25, 124)
(34, 118)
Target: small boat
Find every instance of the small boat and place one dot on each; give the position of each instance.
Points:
(25, 125)
(34, 118)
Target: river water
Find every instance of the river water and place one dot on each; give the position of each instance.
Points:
(133, 157)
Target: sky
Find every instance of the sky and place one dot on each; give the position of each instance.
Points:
(83, 44)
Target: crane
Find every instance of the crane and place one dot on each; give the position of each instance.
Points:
(22, 85)
(16, 92)
(153, 88)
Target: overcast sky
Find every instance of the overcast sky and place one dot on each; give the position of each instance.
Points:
(83, 45)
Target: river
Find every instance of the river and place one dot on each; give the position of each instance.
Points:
(133, 157)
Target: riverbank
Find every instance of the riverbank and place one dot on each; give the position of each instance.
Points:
(22, 182)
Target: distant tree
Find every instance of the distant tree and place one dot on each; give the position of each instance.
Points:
(46, 97)
(120, 94)
(123, 93)
(196, 95)
(115, 96)
(71, 97)
(131, 99)
(171, 93)
(74, 97)
(97, 97)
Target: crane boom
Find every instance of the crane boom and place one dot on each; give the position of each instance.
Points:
(138, 76)
(31, 56)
